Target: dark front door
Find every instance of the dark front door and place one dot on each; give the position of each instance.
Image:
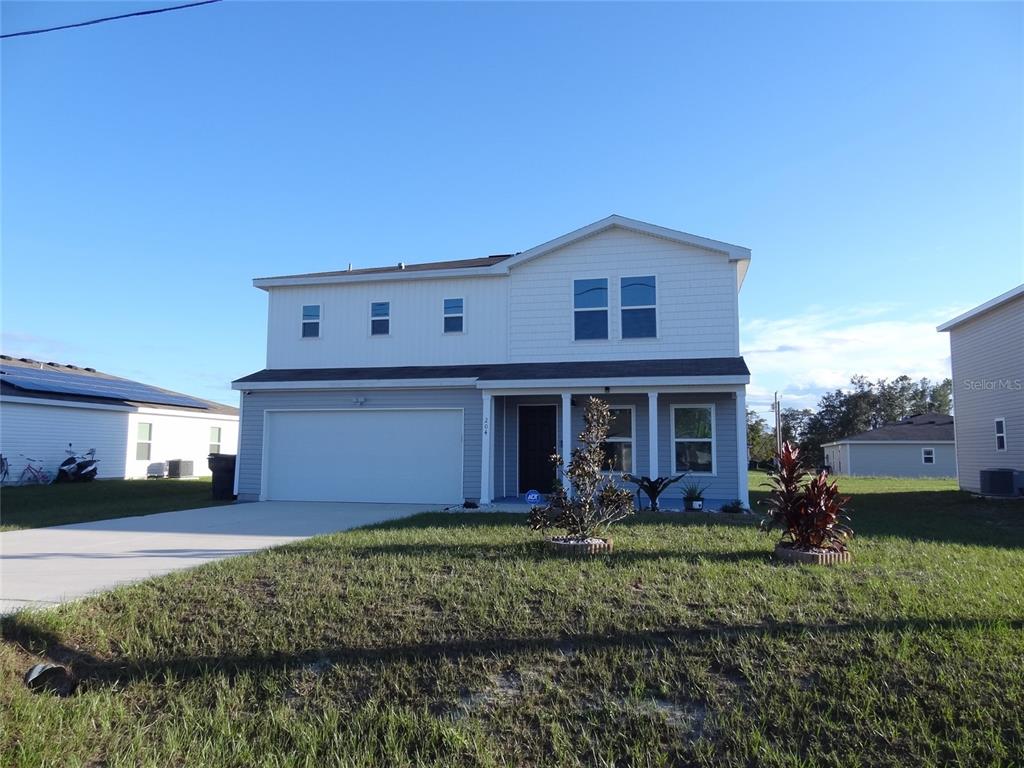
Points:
(537, 441)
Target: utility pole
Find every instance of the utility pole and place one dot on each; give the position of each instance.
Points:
(778, 424)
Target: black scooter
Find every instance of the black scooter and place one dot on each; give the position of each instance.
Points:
(78, 469)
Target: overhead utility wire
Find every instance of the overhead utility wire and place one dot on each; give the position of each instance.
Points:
(107, 18)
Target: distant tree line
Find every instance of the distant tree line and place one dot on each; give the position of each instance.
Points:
(865, 405)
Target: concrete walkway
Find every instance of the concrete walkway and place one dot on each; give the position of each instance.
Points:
(46, 566)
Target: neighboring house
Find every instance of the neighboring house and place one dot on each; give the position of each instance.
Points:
(457, 380)
(45, 406)
(917, 446)
(987, 353)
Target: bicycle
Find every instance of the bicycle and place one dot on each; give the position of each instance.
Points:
(5, 469)
(33, 474)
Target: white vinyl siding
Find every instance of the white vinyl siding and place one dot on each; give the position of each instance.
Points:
(415, 337)
(42, 432)
(697, 313)
(987, 354)
(183, 435)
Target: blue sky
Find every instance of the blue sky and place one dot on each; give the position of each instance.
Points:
(869, 154)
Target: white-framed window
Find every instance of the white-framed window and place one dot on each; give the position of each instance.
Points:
(214, 439)
(590, 309)
(619, 446)
(927, 455)
(454, 315)
(144, 441)
(380, 318)
(693, 439)
(311, 321)
(1000, 434)
(639, 307)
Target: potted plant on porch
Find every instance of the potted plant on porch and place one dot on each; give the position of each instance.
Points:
(811, 515)
(693, 496)
(594, 502)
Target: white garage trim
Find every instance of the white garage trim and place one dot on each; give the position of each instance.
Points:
(265, 461)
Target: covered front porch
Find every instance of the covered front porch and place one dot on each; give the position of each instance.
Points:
(656, 431)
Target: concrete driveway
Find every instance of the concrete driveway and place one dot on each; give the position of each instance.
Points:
(47, 566)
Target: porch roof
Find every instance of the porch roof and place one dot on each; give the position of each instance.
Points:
(685, 368)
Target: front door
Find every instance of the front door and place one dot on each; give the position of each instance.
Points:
(537, 441)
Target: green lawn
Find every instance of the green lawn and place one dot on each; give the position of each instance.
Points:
(36, 506)
(454, 639)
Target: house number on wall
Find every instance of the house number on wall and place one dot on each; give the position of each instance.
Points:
(487, 424)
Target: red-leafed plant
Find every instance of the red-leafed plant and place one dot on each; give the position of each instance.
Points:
(812, 516)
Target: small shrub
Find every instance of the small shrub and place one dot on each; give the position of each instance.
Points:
(735, 507)
(595, 502)
(811, 515)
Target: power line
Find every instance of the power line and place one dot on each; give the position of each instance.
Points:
(108, 18)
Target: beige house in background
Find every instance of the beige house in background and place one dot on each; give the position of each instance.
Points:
(987, 352)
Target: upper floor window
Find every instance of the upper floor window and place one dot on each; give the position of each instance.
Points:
(310, 321)
(214, 439)
(639, 313)
(380, 318)
(453, 316)
(693, 437)
(927, 455)
(1000, 434)
(590, 304)
(618, 446)
(144, 441)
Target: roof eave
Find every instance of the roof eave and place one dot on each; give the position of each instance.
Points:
(266, 283)
(982, 308)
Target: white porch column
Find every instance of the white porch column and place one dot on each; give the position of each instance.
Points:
(487, 439)
(566, 450)
(741, 444)
(652, 433)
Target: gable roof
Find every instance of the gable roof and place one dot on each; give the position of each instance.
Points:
(1011, 294)
(136, 394)
(921, 427)
(502, 264)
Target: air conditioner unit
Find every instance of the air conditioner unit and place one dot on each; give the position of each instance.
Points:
(998, 482)
(156, 469)
(179, 468)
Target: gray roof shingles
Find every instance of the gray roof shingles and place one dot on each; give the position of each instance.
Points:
(605, 369)
(920, 427)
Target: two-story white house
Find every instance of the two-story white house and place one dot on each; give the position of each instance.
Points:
(454, 381)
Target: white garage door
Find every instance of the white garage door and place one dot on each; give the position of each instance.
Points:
(367, 455)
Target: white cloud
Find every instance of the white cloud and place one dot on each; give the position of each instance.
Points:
(802, 356)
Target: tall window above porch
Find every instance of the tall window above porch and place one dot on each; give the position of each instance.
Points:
(590, 304)
(693, 438)
(618, 446)
(639, 312)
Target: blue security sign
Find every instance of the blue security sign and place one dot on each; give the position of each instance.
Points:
(533, 497)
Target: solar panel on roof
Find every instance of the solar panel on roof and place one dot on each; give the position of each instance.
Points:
(59, 382)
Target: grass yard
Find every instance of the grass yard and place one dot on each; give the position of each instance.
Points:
(37, 506)
(453, 639)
